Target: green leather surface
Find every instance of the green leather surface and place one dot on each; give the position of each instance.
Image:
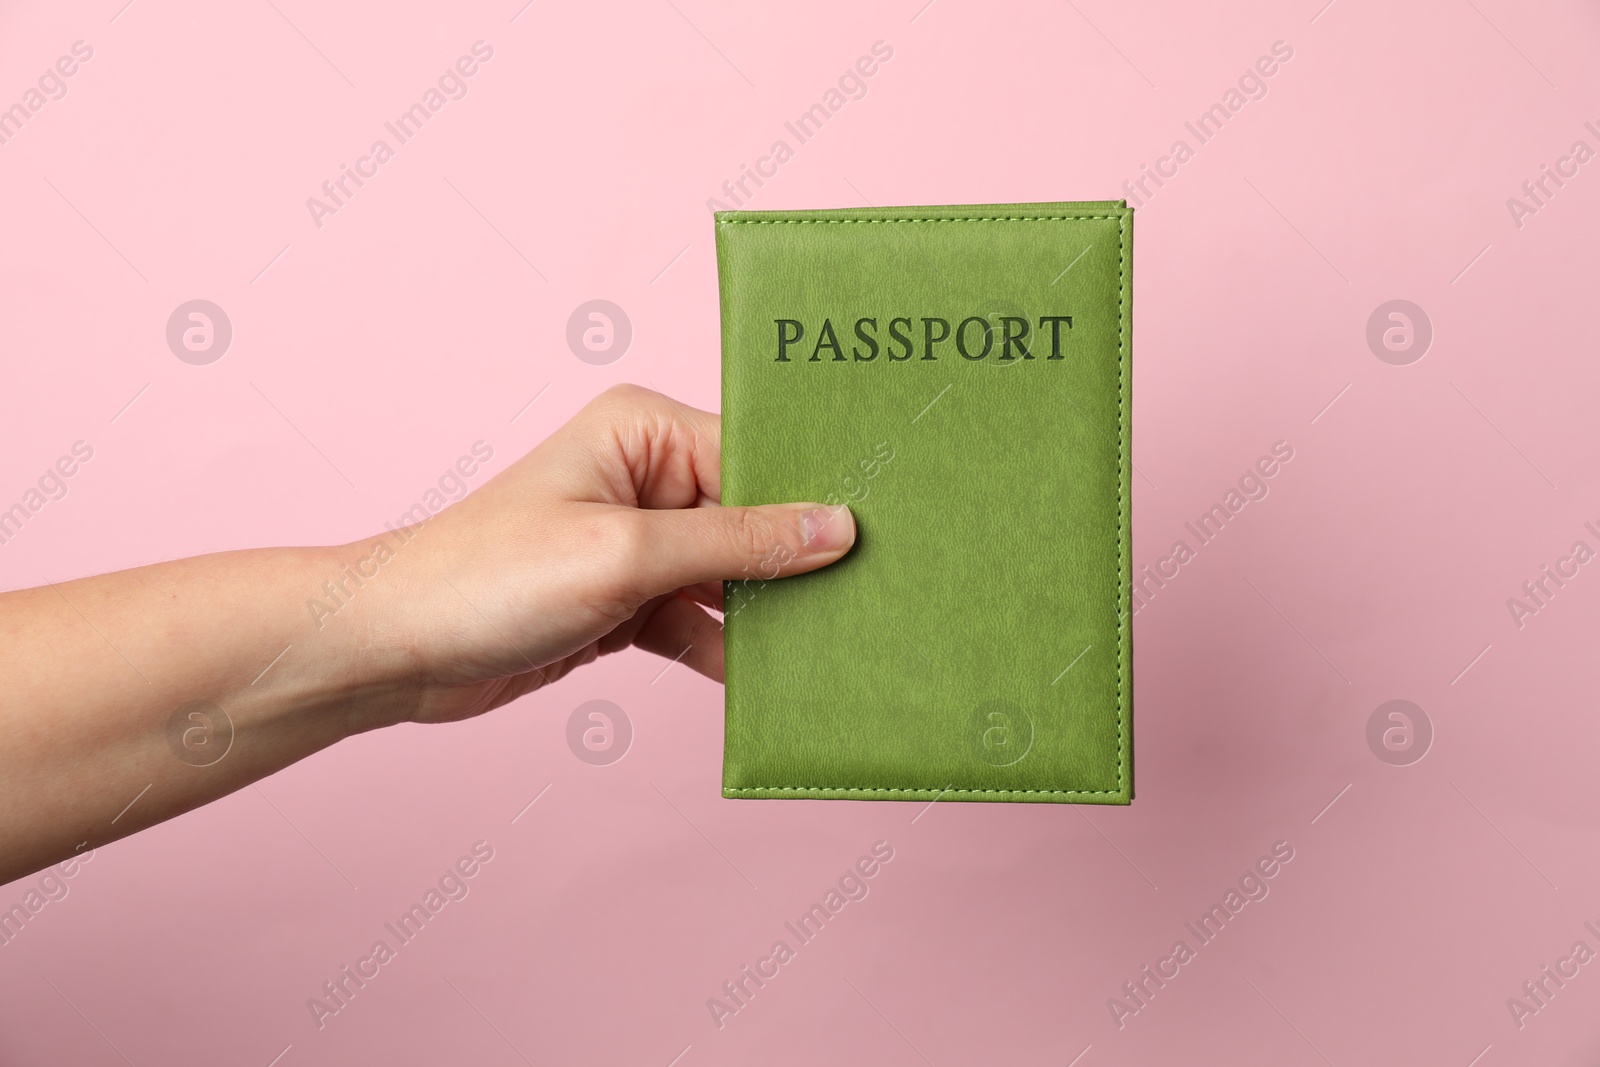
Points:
(976, 643)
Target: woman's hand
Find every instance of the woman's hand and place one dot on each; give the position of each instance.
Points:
(608, 534)
(134, 696)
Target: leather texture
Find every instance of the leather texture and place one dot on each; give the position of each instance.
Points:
(976, 643)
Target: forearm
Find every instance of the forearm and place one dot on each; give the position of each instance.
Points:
(104, 678)
(132, 697)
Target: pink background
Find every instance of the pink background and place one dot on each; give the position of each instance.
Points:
(371, 352)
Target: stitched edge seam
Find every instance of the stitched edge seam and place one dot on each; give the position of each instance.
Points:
(894, 789)
(1123, 578)
(986, 218)
(1122, 345)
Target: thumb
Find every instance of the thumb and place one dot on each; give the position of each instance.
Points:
(685, 546)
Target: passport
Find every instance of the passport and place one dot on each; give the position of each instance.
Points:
(960, 378)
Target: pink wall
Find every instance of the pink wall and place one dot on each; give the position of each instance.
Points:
(424, 315)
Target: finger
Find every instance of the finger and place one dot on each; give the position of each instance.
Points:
(670, 452)
(709, 594)
(511, 688)
(622, 637)
(682, 631)
(689, 546)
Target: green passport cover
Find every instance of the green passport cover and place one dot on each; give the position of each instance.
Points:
(959, 376)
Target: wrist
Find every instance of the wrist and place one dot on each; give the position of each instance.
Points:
(366, 659)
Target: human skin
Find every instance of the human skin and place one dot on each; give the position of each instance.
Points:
(609, 534)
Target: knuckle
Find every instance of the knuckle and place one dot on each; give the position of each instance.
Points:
(754, 534)
(619, 413)
(628, 540)
(616, 544)
(625, 395)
